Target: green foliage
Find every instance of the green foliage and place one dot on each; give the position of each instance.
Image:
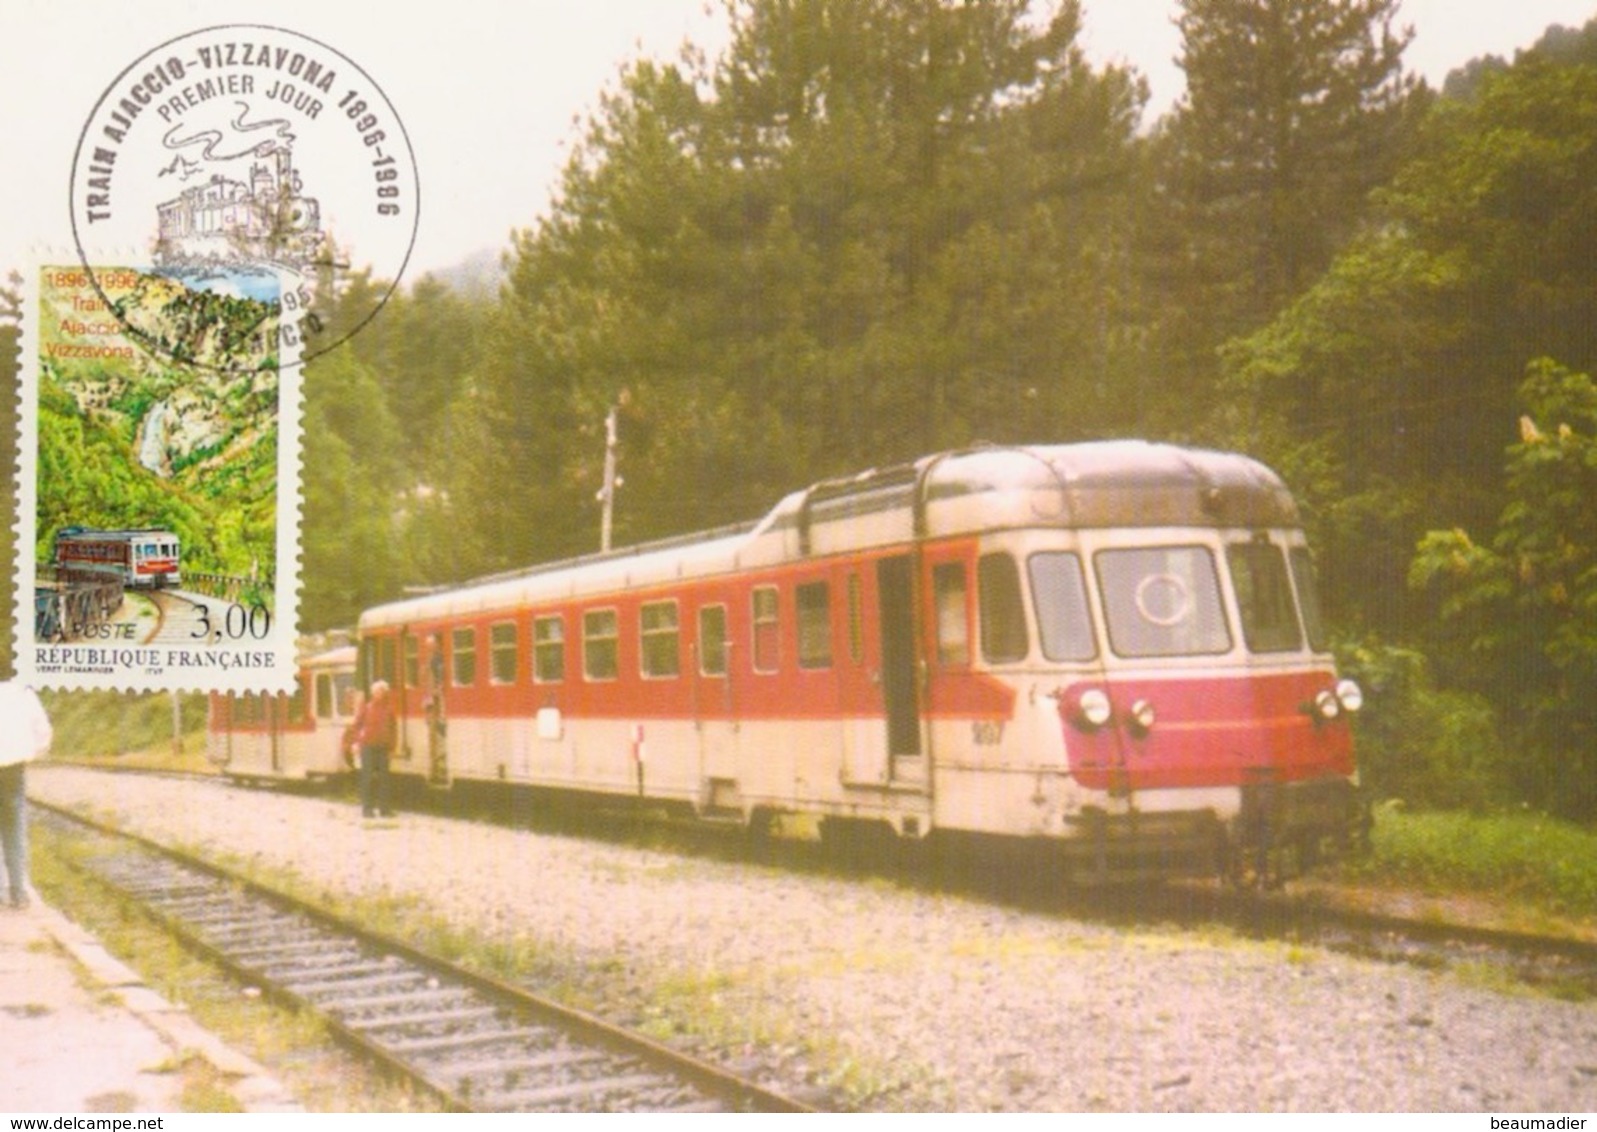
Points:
(870, 230)
(1524, 608)
(1392, 377)
(87, 476)
(1294, 111)
(1518, 855)
(1428, 746)
(111, 723)
(353, 458)
(218, 495)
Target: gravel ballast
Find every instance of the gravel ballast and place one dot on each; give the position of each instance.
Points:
(861, 991)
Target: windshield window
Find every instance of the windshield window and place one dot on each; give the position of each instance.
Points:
(1264, 597)
(1162, 601)
(1060, 596)
(1309, 597)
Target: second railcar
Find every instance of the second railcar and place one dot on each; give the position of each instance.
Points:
(297, 736)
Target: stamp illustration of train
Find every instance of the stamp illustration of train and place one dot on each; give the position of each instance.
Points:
(141, 558)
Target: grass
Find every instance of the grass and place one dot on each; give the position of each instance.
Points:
(134, 729)
(1545, 865)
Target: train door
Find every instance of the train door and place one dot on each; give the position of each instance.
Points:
(714, 713)
(865, 743)
(899, 672)
(948, 639)
(424, 672)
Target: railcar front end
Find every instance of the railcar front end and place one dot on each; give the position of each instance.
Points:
(1175, 710)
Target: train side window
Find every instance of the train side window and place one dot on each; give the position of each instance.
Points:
(463, 654)
(712, 640)
(1003, 614)
(1059, 592)
(856, 622)
(766, 629)
(368, 661)
(412, 651)
(503, 641)
(1264, 597)
(1309, 598)
(660, 640)
(549, 649)
(344, 694)
(600, 639)
(385, 660)
(953, 621)
(814, 600)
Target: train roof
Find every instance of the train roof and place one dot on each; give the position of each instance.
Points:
(344, 656)
(1121, 483)
(112, 535)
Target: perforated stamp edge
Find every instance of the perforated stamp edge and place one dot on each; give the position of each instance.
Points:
(239, 653)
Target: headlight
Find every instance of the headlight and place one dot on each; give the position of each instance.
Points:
(1349, 695)
(1326, 706)
(1142, 717)
(1093, 708)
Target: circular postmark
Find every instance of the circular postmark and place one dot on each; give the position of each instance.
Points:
(269, 187)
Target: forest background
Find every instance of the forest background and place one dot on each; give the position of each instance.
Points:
(873, 229)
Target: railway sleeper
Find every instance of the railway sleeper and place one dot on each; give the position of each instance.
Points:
(290, 973)
(444, 1044)
(435, 1018)
(423, 995)
(333, 984)
(224, 918)
(513, 1064)
(594, 1091)
(322, 945)
(197, 893)
(283, 928)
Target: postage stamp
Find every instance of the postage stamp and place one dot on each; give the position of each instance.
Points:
(262, 198)
(157, 498)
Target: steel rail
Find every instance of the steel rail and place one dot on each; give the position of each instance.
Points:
(474, 1041)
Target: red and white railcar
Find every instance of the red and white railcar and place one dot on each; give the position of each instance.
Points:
(1113, 647)
(299, 736)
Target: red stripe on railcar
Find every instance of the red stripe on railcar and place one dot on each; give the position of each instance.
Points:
(1214, 731)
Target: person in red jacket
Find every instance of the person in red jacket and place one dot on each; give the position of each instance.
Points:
(375, 730)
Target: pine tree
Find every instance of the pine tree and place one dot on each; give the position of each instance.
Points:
(1294, 111)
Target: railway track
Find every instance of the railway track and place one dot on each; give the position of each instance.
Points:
(1561, 964)
(1565, 964)
(478, 1044)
